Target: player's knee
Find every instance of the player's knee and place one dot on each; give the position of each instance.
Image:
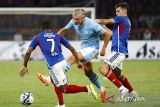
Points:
(88, 69)
(88, 72)
(71, 60)
(62, 88)
(104, 68)
(117, 72)
(101, 70)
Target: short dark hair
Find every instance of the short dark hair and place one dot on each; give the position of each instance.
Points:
(122, 5)
(45, 25)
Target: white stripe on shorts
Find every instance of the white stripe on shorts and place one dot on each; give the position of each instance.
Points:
(115, 59)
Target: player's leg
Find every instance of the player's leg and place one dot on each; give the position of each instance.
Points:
(60, 80)
(44, 79)
(71, 89)
(87, 55)
(76, 88)
(70, 60)
(106, 69)
(124, 80)
(93, 77)
(128, 85)
(59, 95)
(112, 77)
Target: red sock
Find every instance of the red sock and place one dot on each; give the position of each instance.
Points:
(75, 89)
(111, 76)
(59, 95)
(126, 83)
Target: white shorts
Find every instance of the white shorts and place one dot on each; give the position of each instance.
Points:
(115, 59)
(89, 53)
(57, 73)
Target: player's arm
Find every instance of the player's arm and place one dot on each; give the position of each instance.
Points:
(32, 46)
(65, 42)
(24, 69)
(105, 21)
(107, 35)
(75, 54)
(66, 28)
(107, 29)
(62, 31)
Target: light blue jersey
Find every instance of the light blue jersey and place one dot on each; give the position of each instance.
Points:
(89, 32)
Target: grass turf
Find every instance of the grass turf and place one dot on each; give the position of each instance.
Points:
(144, 75)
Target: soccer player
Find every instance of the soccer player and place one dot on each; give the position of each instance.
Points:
(89, 32)
(112, 66)
(50, 45)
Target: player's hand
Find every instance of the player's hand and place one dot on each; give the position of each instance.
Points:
(97, 20)
(79, 65)
(102, 52)
(23, 71)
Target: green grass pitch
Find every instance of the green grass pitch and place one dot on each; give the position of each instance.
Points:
(144, 76)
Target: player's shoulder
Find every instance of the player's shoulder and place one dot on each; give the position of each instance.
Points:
(57, 35)
(39, 34)
(121, 17)
(71, 21)
(91, 22)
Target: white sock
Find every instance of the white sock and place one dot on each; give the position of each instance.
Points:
(121, 88)
(101, 89)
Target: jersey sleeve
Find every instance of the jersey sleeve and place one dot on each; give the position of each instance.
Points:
(118, 19)
(99, 29)
(69, 25)
(33, 43)
(65, 42)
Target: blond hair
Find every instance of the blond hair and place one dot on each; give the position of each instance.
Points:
(78, 11)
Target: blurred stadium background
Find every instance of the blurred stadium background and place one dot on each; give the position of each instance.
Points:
(144, 14)
(19, 22)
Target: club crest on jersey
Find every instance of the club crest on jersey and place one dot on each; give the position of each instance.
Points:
(89, 31)
(49, 35)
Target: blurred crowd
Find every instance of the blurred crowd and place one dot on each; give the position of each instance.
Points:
(144, 15)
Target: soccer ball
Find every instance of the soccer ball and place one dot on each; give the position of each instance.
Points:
(26, 98)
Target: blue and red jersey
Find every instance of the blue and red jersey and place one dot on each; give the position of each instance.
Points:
(120, 34)
(50, 45)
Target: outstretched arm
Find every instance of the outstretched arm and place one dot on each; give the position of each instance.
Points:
(107, 35)
(62, 31)
(75, 54)
(24, 69)
(105, 21)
